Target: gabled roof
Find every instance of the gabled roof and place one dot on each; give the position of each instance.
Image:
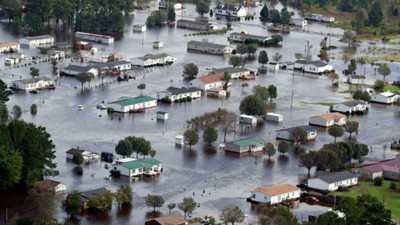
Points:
(248, 141)
(307, 128)
(108, 64)
(125, 101)
(212, 78)
(229, 7)
(8, 44)
(182, 90)
(316, 63)
(251, 36)
(353, 103)
(153, 56)
(331, 116)
(392, 165)
(336, 177)
(87, 194)
(387, 94)
(172, 219)
(33, 80)
(30, 38)
(72, 151)
(231, 70)
(354, 76)
(47, 184)
(78, 68)
(209, 44)
(193, 22)
(276, 189)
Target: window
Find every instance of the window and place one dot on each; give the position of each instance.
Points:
(253, 196)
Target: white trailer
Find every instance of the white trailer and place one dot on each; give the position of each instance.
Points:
(274, 117)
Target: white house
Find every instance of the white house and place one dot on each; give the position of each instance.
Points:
(57, 55)
(350, 107)
(316, 66)
(139, 27)
(243, 36)
(319, 18)
(246, 119)
(328, 119)
(216, 92)
(237, 11)
(88, 156)
(274, 117)
(129, 104)
(98, 38)
(137, 167)
(37, 40)
(158, 44)
(247, 145)
(299, 22)
(356, 79)
(197, 24)
(32, 83)
(51, 185)
(275, 194)
(162, 115)
(9, 47)
(120, 65)
(332, 181)
(153, 60)
(386, 97)
(286, 134)
(273, 66)
(175, 94)
(215, 80)
(73, 70)
(234, 72)
(209, 47)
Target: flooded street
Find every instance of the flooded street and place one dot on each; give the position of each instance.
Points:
(224, 178)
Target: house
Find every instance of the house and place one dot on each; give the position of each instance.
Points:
(172, 219)
(286, 65)
(162, 115)
(234, 72)
(158, 44)
(175, 94)
(114, 66)
(51, 185)
(286, 133)
(32, 83)
(332, 181)
(246, 119)
(197, 24)
(139, 27)
(209, 47)
(236, 11)
(88, 156)
(136, 104)
(275, 194)
(11, 61)
(247, 145)
(86, 195)
(153, 60)
(98, 38)
(243, 36)
(388, 169)
(57, 55)
(137, 167)
(9, 47)
(328, 119)
(273, 117)
(316, 66)
(73, 70)
(350, 107)
(216, 92)
(319, 18)
(37, 40)
(299, 22)
(215, 80)
(273, 66)
(356, 79)
(83, 45)
(386, 97)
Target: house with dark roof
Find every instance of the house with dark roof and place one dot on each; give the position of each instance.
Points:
(388, 169)
(128, 104)
(197, 24)
(86, 195)
(175, 94)
(332, 181)
(243, 36)
(234, 10)
(29, 84)
(153, 60)
(316, 66)
(73, 70)
(286, 133)
(246, 145)
(209, 47)
(136, 167)
(350, 107)
(275, 194)
(215, 80)
(172, 219)
(119, 65)
(356, 79)
(234, 72)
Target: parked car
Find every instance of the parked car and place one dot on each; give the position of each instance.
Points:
(101, 106)
(302, 186)
(34, 91)
(311, 199)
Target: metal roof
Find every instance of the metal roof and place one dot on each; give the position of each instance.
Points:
(336, 177)
(125, 101)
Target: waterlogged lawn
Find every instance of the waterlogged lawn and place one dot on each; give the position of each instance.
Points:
(318, 103)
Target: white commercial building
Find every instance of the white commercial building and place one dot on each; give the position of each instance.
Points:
(275, 194)
(37, 40)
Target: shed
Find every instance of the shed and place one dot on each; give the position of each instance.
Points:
(216, 92)
(179, 140)
(274, 117)
(158, 44)
(246, 119)
(107, 156)
(162, 115)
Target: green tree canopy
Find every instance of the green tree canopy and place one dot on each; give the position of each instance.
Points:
(156, 18)
(188, 205)
(261, 92)
(190, 70)
(191, 137)
(299, 134)
(10, 167)
(252, 105)
(232, 214)
(307, 160)
(384, 70)
(278, 216)
(241, 49)
(202, 8)
(73, 204)
(77, 159)
(274, 16)
(264, 13)
(273, 91)
(3, 94)
(171, 13)
(141, 87)
(351, 127)
(283, 147)
(155, 201)
(336, 131)
(34, 72)
(235, 61)
(269, 149)
(285, 16)
(210, 135)
(263, 58)
(124, 148)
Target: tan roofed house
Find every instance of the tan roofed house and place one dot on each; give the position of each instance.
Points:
(9, 47)
(172, 219)
(51, 185)
(328, 119)
(215, 80)
(275, 194)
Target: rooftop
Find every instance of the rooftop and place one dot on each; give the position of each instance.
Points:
(38, 37)
(47, 184)
(317, 63)
(87, 194)
(276, 189)
(8, 44)
(153, 56)
(338, 176)
(78, 68)
(209, 44)
(72, 151)
(353, 103)
(354, 76)
(125, 101)
(172, 219)
(33, 80)
(182, 90)
(331, 116)
(248, 141)
(388, 94)
(229, 7)
(231, 70)
(212, 78)
(140, 163)
(307, 128)
(95, 35)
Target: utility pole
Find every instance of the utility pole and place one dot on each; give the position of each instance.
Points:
(291, 100)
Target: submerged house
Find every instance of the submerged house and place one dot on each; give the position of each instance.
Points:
(332, 181)
(275, 194)
(286, 134)
(328, 119)
(32, 83)
(315, 66)
(215, 80)
(388, 169)
(128, 104)
(247, 145)
(350, 107)
(175, 94)
(153, 60)
(234, 72)
(235, 10)
(209, 47)
(137, 167)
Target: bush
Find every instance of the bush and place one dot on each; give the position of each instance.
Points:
(378, 181)
(79, 171)
(25, 221)
(176, 100)
(188, 99)
(379, 85)
(33, 109)
(115, 173)
(110, 110)
(325, 192)
(393, 185)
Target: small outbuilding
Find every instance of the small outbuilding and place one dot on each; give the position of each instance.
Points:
(386, 97)
(246, 119)
(179, 140)
(274, 117)
(51, 185)
(162, 115)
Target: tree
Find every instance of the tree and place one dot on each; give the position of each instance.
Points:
(228, 125)
(278, 216)
(252, 105)
(264, 13)
(83, 78)
(251, 50)
(307, 160)
(101, 202)
(274, 16)
(263, 58)
(351, 127)
(3, 93)
(211, 13)
(3, 113)
(227, 79)
(362, 95)
(379, 85)
(231, 214)
(124, 195)
(241, 49)
(384, 70)
(235, 61)
(10, 165)
(335, 131)
(269, 149)
(54, 63)
(17, 111)
(333, 76)
(376, 15)
(210, 135)
(326, 159)
(277, 57)
(202, 8)
(73, 204)
(244, 85)
(191, 70)
(34, 72)
(171, 206)
(124, 148)
(77, 159)
(152, 153)
(141, 87)
(374, 211)
(261, 92)
(156, 18)
(283, 147)
(191, 137)
(349, 37)
(33, 109)
(188, 205)
(329, 218)
(352, 67)
(298, 134)
(349, 207)
(285, 16)
(171, 13)
(273, 91)
(17, 25)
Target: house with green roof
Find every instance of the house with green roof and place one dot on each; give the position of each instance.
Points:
(128, 104)
(246, 146)
(235, 72)
(137, 167)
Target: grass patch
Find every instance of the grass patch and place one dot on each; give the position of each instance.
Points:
(343, 92)
(318, 103)
(392, 87)
(391, 197)
(348, 98)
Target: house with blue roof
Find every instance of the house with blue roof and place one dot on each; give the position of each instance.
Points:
(286, 133)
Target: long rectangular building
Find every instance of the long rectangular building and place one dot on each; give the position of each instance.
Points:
(209, 47)
(99, 38)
